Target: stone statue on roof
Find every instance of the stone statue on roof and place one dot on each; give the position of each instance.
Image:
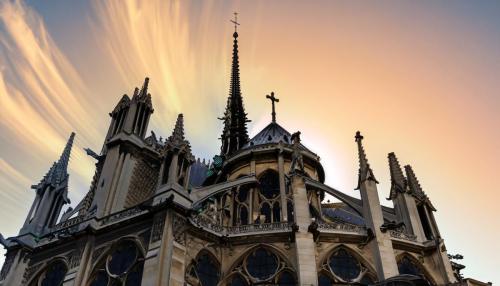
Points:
(297, 160)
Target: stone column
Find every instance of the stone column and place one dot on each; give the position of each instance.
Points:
(123, 184)
(164, 264)
(85, 268)
(17, 267)
(381, 244)
(305, 247)
(112, 188)
(172, 172)
(281, 170)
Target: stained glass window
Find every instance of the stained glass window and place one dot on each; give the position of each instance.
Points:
(324, 280)
(134, 278)
(100, 279)
(344, 265)
(270, 184)
(407, 266)
(276, 212)
(207, 270)
(266, 211)
(54, 275)
(262, 264)
(243, 215)
(123, 257)
(286, 279)
(243, 194)
(237, 280)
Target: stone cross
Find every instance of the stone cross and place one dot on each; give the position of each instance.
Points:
(235, 21)
(273, 100)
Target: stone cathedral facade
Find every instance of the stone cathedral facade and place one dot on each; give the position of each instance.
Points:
(157, 215)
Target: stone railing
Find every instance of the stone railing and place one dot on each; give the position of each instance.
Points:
(275, 226)
(69, 223)
(207, 223)
(401, 235)
(341, 226)
(120, 215)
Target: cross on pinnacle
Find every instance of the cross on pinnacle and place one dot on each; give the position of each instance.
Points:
(235, 22)
(273, 100)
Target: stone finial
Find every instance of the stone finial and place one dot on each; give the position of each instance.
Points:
(398, 180)
(58, 173)
(178, 132)
(365, 172)
(414, 187)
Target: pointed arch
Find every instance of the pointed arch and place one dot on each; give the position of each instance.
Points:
(344, 264)
(409, 264)
(204, 269)
(122, 260)
(261, 263)
(53, 272)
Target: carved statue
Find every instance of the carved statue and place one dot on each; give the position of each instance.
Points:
(297, 160)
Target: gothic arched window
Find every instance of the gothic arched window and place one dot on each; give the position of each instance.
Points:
(207, 270)
(123, 265)
(270, 184)
(408, 266)
(269, 197)
(342, 267)
(265, 210)
(261, 266)
(242, 205)
(53, 275)
(238, 280)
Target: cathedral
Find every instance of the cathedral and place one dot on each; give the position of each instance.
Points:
(155, 214)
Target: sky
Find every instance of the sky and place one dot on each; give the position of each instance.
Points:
(418, 78)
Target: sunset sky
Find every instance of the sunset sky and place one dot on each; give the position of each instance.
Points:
(418, 78)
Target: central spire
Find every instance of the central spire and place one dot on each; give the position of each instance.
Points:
(235, 134)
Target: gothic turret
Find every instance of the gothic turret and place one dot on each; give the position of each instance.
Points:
(131, 115)
(234, 135)
(141, 109)
(51, 195)
(380, 245)
(177, 156)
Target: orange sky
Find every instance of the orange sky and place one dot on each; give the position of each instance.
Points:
(416, 78)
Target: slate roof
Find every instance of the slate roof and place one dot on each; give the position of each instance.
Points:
(272, 134)
(343, 215)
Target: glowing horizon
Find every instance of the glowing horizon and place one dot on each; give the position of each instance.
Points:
(416, 79)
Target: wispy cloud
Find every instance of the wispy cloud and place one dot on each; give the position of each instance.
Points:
(42, 96)
(154, 38)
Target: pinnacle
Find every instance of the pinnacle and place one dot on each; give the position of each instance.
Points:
(178, 132)
(413, 182)
(398, 180)
(365, 172)
(59, 170)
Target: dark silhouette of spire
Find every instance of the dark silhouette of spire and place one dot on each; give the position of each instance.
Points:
(365, 172)
(58, 173)
(398, 180)
(178, 132)
(234, 134)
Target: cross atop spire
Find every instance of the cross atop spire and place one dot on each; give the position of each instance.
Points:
(235, 133)
(365, 172)
(273, 100)
(236, 24)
